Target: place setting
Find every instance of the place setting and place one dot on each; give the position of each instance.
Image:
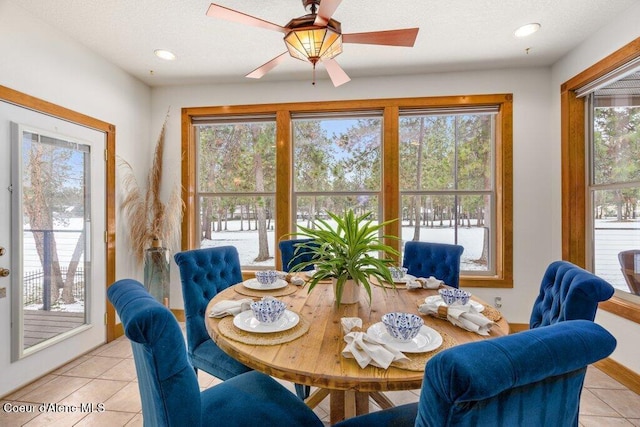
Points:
(403, 280)
(399, 339)
(456, 306)
(400, 276)
(267, 282)
(259, 322)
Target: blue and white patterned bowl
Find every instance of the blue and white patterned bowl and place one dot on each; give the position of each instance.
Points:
(266, 277)
(462, 296)
(402, 326)
(268, 310)
(398, 273)
(454, 296)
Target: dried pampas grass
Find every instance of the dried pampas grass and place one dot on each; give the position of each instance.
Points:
(147, 217)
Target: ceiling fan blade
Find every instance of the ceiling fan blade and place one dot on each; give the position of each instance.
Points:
(266, 67)
(404, 37)
(325, 11)
(336, 73)
(217, 11)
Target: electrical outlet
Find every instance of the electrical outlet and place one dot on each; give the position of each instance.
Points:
(3, 292)
(497, 302)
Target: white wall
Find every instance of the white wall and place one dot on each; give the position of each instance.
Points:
(531, 141)
(602, 43)
(41, 62)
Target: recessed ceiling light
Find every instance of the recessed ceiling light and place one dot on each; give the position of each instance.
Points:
(164, 54)
(527, 30)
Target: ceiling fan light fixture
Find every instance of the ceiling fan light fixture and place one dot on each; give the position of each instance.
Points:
(313, 44)
(527, 30)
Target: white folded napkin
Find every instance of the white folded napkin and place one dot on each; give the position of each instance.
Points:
(230, 307)
(348, 323)
(298, 281)
(463, 316)
(369, 351)
(426, 283)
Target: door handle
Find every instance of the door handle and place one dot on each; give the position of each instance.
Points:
(4, 272)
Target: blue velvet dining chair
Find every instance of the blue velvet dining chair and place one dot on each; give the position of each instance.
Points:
(168, 385)
(204, 273)
(440, 260)
(290, 257)
(530, 379)
(568, 292)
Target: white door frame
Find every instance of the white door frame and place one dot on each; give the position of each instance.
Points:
(26, 101)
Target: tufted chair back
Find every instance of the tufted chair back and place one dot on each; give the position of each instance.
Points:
(440, 260)
(532, 378)
(204, 273)
(289, 256)
(168, 386)
(568, 292)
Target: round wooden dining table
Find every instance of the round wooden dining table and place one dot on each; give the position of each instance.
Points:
(315, 358)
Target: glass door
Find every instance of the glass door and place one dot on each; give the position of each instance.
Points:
(53, 240)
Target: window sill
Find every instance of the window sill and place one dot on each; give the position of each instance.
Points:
(623, 308)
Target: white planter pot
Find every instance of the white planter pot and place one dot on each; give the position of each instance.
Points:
(350, 291)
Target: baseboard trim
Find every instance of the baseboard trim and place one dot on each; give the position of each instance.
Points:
(179, 314)
(118, 330)
(620, 373)
(518, 327)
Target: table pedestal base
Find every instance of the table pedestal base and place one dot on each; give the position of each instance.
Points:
(345, 404)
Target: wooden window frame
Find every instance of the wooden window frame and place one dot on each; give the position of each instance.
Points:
(390, 109)
(574, 168)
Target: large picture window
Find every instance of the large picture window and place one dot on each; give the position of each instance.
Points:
(236, 186)
(614, 182)
(336, 165)
(447, 181)
(580, 198)
(441, 166)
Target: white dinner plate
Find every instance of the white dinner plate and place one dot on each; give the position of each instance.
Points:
(247, 322)
(427, 339)
(405, 279)
(438, 299)
(254, 284)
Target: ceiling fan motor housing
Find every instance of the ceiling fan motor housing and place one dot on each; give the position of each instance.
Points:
(311, 4)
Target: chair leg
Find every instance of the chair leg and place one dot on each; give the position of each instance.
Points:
(303, 391)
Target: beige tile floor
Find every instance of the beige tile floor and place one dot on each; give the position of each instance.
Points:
(107, 376)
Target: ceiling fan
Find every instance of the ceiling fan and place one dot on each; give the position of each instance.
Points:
(315, 37)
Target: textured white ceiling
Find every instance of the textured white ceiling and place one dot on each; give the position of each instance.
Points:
(454, 35)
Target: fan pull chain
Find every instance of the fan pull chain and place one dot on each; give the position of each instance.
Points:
(313, 75)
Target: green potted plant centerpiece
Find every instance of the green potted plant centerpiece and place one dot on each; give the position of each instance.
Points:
(346, 252)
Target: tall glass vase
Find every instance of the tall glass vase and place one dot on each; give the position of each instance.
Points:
(156, 271)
